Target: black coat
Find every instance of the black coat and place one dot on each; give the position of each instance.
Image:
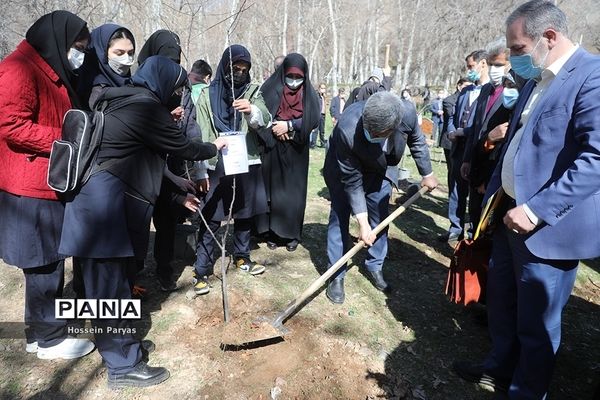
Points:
(448, 105)
(285, 163)
(110, 216)
(361, 166)
(484, 162)
(139, 136)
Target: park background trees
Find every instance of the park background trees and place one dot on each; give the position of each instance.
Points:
(342, 40)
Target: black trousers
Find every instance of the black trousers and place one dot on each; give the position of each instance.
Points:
(322, 130)
(106, 278)
(313, 135)
(166, 216)
(475, 206)
(42, 286)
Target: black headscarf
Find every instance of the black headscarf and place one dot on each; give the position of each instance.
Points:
(52, 36)
(100, 38)
(161, 76)
(161, 43)
(221, 98)
(274, 87)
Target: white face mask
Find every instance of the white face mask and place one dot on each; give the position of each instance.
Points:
(293, 83)
(121, 64)
(75, 58)
(496, 74)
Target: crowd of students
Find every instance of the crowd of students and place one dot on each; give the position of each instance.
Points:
(166, 118)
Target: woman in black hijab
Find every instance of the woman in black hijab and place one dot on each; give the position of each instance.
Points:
(293, 102)
(107, 224)
(231, 103)
(161, 43)
(113, 47)
(54, 36)
(37, 87)
(175, 185)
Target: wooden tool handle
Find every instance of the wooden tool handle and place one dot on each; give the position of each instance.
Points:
(386, 63)
(293, 305)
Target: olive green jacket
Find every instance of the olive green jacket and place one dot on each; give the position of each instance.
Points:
(204, 117)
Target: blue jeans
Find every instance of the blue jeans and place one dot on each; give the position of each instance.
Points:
(338, 236)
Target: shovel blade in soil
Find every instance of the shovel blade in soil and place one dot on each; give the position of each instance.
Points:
(243, 336)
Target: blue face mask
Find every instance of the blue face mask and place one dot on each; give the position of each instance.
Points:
(524, 67)
(473, 75)
(510, 97)
(376, 140)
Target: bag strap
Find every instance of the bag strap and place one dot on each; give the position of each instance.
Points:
(107, 107)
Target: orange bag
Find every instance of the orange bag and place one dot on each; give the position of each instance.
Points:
(467, 276)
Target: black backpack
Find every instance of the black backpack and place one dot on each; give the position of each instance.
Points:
(73, 157)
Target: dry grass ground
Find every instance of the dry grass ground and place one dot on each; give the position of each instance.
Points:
(374, 346)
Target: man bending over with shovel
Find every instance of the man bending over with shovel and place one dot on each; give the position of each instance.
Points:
(369, 137)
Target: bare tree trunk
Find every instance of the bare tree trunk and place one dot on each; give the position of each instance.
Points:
(232, 10)
(342, 58)
(399, 75)
(153, 20)
(334, 56)
(313, 53)
(367, 52)
(300, 28)
(110, 9)
(284, 28)
(422, 67)
(375, 49)
(352, 66)
(407, 63)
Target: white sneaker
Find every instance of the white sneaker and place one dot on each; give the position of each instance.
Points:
(31, 347)
(67, 349)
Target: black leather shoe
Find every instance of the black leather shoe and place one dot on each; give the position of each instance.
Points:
(141, 376)
(335, 291)
(379, 282)
(292, 245)
(271, 245)
(475, 373)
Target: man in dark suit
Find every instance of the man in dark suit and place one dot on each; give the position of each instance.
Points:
(437, 116)
(549, 171)
(337, 105)
(448, 107)
(488, 102)
(458, 130)
(322, 92)
(369, 137)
